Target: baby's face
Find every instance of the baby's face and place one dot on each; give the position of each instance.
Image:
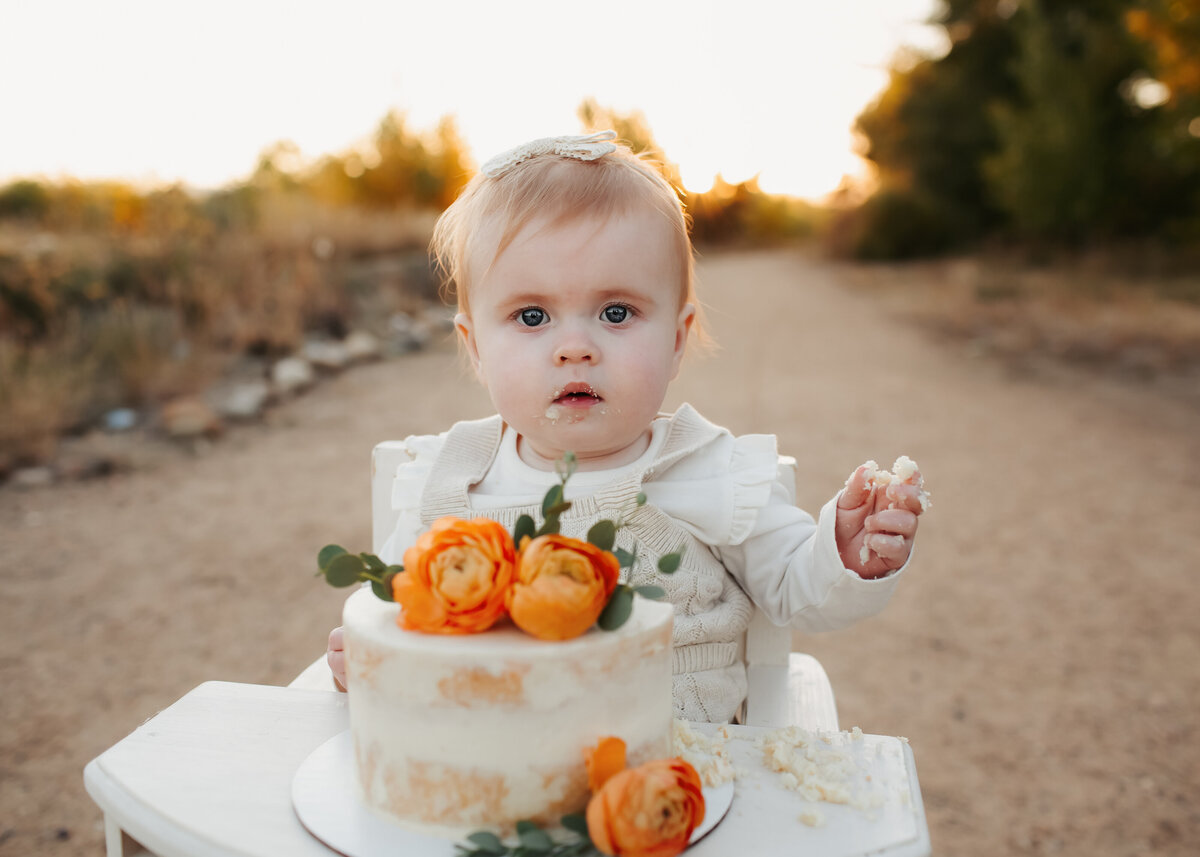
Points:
(576, 330)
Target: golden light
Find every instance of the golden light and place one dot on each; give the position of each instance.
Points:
(756, 88)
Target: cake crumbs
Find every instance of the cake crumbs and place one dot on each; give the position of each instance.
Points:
(709, 756)
(820, 773)
(813, 817)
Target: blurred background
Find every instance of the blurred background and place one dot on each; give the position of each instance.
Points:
(965, 230)
(186, 185)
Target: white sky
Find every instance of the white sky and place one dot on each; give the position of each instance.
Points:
(166, 91)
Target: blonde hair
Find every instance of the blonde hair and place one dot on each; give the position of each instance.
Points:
(560, 189)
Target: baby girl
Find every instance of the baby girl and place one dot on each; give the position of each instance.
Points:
(572, 266)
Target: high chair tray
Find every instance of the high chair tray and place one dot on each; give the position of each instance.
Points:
(211, 776)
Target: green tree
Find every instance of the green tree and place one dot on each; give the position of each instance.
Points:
(1052, 170)
(1054, 120)
(928, 134)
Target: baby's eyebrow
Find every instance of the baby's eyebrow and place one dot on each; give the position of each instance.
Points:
(600, 296)
(629, 295)
(527, 298)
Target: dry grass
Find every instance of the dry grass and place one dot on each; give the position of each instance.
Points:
(105, 318)
(1084, 312)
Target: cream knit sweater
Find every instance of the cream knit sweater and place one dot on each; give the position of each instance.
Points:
(712, 495)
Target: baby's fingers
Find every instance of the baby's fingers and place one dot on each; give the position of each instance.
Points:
(335, 656)
(858, 487)
(893, 550)
(904, 496)
(899, 522)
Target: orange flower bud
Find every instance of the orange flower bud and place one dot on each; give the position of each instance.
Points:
(604, 760)
(456, 577)
(647, 811)
(562, 586)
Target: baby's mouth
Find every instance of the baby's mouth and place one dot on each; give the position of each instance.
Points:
(577, 395)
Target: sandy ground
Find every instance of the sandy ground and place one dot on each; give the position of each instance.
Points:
(1043, 656)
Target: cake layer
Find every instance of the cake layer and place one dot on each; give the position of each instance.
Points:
(457, 733)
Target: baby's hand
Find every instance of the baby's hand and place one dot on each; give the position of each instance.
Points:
(336, 657)
(877, 517)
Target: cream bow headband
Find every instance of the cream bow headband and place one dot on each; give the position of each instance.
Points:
(583, 148)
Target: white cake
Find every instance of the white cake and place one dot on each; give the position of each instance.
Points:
(454, 734)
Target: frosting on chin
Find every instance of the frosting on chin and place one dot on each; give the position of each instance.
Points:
(458, 733)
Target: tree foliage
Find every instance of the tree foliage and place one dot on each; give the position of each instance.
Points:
(1055, 121)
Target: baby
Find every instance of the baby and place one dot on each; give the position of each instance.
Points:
(572, 266)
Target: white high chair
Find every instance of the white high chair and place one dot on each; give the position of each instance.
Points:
(785, 688)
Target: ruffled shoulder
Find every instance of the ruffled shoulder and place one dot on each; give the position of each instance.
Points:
(717, 488)
(753, 469)
(419, 452)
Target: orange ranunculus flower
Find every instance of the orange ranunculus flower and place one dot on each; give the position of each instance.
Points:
(562, 585)
(456, 577)
(647, 811)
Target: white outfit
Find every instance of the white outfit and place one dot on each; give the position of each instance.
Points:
(718, 497)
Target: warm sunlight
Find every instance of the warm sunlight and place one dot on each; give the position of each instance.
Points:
(160, 92)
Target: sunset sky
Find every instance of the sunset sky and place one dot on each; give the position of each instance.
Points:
(192, 92)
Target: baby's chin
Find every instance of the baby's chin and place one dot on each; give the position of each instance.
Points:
(548, 441)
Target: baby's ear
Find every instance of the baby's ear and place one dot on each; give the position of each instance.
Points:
(462, 323)
(683, 326)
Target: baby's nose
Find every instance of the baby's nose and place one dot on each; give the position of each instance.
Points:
(574, 354)
(575, 349)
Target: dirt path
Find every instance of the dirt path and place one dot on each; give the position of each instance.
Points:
(1043, 657)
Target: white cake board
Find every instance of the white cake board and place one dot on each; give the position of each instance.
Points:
(325, 797)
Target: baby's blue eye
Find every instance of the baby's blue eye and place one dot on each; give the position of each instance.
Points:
(616, 313)
(533, 316)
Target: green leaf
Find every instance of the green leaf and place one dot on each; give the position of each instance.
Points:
(345, 570)
(533, 838)
(565, 468)
(488, 843)
(641, 498)
(525, 527)
(373, 562)
(383, 588)
(553, 498)
(549, 526)
(625, 558)
(327, 553)
(576, 823)
(619, 606)
(669, 563)
(649, 590)
(603, 534)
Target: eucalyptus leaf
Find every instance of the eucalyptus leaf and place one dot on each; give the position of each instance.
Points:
(488, 843)
(649, 590)
(525, 527)
(576, 823)
(603, 534)
(383, 589)
(345, 570)
(669, 563)
(624, 557)
(553, 498)
(327, 553)
(533, 838)
(373, 562)
(619, 606)
(549, 526)
(565, 467)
